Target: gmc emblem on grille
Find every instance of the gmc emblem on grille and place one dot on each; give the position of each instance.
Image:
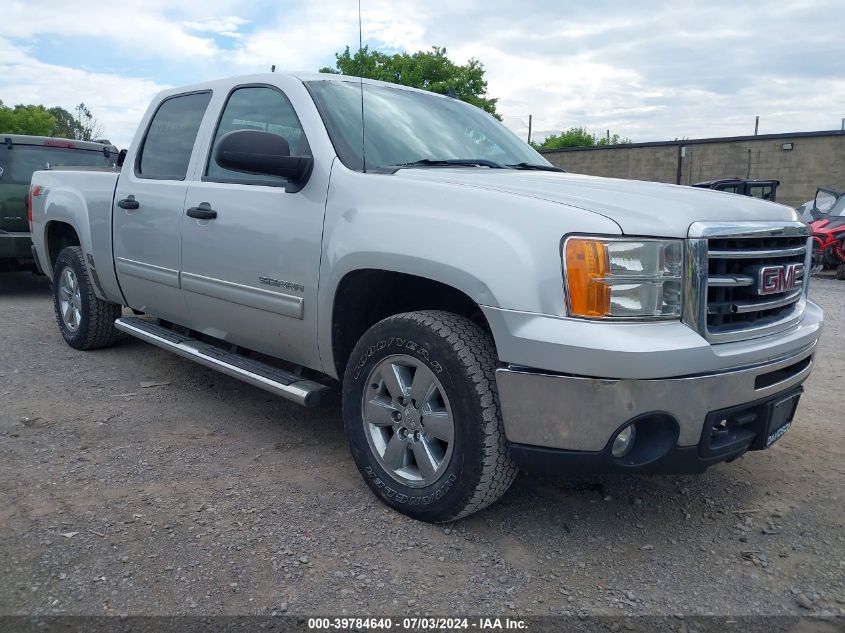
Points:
(776, 279)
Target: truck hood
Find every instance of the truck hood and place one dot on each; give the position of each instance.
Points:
(639, 208)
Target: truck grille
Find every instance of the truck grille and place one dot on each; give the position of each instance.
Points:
(732, 301)
(724, 303)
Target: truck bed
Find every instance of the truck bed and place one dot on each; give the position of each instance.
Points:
(83, 199)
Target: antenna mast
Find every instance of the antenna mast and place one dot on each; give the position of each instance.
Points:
(361, 77)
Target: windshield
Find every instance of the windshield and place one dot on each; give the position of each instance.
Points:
(838, 209)
(18, 163)
(404, 126)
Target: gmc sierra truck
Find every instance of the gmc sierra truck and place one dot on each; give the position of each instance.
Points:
(478, 309)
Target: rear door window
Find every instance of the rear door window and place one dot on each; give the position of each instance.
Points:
(166, 150)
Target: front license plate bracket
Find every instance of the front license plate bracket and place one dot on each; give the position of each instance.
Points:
(780, 418)
(753, 426)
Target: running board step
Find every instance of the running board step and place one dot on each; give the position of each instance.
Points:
(278, 381)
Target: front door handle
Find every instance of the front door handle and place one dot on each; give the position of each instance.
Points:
(202, 212)
(128, 202)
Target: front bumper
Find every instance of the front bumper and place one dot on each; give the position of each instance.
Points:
(582, 415)
(663, 349)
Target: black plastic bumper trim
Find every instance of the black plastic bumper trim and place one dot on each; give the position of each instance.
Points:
(555, 461)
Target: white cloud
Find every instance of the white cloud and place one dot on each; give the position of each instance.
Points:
(648, 70)
(403, 30)
(301, 38)
(227, 26)
(117, 102)
(145, 29)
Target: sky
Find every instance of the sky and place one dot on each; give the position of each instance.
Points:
(645, 70)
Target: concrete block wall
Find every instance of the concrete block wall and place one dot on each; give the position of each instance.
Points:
(816, 159)
(658, 163)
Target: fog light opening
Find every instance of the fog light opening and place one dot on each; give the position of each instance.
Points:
(624, 441)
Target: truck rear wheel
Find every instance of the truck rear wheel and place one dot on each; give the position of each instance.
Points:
(421, 412)
(85, 321)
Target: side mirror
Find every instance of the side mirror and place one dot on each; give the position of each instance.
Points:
(257, 152)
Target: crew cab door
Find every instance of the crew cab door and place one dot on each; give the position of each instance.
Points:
(149, 202)
(250, 271)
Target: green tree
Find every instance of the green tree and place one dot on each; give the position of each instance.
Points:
(573, 137)
(577, 137)
(26, 119)
(7, 118)
(429, 70)
(35, 119)
(87, 128)
(38, 120)
(65, 126)
(615, 139)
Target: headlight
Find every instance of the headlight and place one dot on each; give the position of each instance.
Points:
(610, 278)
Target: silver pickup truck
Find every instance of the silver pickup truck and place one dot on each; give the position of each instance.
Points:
(478, 310)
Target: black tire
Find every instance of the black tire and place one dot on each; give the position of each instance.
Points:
(840, 272)
(96, 324)
(463, 358)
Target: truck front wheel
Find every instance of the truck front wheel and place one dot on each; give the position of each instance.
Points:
(421, 412)
(85, 321)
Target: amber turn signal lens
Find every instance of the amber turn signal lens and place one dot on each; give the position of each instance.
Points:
(587, 265)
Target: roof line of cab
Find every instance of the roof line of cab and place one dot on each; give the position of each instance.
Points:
(301, 76)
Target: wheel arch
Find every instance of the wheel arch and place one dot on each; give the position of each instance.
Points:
(58, 235)
(364, 296)
(61, 233)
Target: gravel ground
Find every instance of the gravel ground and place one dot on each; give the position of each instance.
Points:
(136, 482)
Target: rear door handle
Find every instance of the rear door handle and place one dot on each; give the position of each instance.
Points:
(202, 212)
(128, 202)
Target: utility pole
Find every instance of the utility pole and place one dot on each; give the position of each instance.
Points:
(530, 117)
(843, 124)
(608, 137)
(756, 124)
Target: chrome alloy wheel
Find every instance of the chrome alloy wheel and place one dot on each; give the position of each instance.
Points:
(70, 299)
(408, 421)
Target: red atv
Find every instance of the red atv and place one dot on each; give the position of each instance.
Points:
(828, 225)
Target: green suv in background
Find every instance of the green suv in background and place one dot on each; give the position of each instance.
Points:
(19, 157)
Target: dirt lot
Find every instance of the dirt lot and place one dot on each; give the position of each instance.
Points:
(205, 495)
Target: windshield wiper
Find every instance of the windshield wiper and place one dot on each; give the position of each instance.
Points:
(452, 162)
(534, 167)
